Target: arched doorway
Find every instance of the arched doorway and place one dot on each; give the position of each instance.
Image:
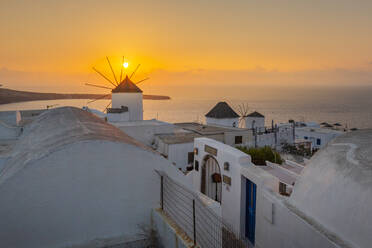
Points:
(211, 184)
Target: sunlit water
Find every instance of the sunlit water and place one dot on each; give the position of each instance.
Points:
(352, 107)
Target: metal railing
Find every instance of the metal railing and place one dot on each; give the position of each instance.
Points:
(198, 221)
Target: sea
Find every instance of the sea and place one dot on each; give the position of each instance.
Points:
(350, 106)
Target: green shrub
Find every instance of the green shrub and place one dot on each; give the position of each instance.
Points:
(261, 155)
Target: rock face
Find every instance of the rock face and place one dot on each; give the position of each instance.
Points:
(73, 179)
(12, 96)
(335, 188)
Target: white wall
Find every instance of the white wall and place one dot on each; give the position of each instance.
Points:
(285, 134)
(146, 132)
(8, 117)
(9, 132)
(118, 117)
(247, 138)
(132, 100)
(178, 154)
(266, 139)
(258, 122)
(278, 224)
(85, 191)
(313, 136)
(231, 195)
(287, 229)
(225, 122)
(169, 237)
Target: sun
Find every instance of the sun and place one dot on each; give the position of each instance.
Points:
(125, 64)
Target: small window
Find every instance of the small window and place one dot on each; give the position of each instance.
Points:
(318, 142)
(196, 165)
(238, 139)
(190, 158)
(226, 166)
(306, 137)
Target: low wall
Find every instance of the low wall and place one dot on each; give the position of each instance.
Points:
(169, 234)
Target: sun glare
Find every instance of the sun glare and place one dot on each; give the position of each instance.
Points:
(125, 64)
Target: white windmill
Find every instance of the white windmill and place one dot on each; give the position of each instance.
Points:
(242, 110)
(126, 96)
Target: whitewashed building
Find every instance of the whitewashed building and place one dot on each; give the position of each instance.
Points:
(318, 136)
(128, 94)
(178, 148)
(73, 180)
(255, 120)
(222, 115)
(323, 204)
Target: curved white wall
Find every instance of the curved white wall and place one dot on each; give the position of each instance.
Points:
(85, 191)
(259, 122)
(131, 100)
(225, 122)
(335, 188)
(9, 132)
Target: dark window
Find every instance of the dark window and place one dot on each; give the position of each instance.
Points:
(318, 142)
(196, 165)
(238, 139)
(306, 137)
(190, 158)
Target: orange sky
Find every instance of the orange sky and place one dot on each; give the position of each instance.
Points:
(57, 42)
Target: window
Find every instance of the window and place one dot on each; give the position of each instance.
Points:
(226, 166)
(190, 158)
(318, 142)
(305, 137)
(238, 139)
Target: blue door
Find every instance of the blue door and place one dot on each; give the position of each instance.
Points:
(250, 210)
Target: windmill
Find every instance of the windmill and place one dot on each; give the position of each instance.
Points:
(121, 84)
(242, 110)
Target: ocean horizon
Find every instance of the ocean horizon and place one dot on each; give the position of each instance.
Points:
(349, 106)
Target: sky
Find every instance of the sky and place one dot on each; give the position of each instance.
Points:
(52, 45)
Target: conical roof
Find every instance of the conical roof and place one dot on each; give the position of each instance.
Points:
(222, 110)
(255, 114)
(127, 86)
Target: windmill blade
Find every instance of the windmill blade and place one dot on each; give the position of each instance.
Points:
(240, 122)
(107, 107)
(142, 80)
(245, 109)
(100, 73)
(99, 98)
(113, 73)
(135, 70)
(240, 111)
(121, 70)
(98, 86)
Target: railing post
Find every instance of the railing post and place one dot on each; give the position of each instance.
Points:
(162, 192)
(193, 218)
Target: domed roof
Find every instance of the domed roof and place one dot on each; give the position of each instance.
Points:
(127, 86)
(335, 188)
(255, 114)
(56, 128)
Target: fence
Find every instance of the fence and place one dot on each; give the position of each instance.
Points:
(198, 221)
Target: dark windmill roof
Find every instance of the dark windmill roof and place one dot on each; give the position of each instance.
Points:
(222, 110)
(127, 86)
(255, 114)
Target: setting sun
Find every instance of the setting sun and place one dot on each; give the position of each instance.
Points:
(125, 64)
